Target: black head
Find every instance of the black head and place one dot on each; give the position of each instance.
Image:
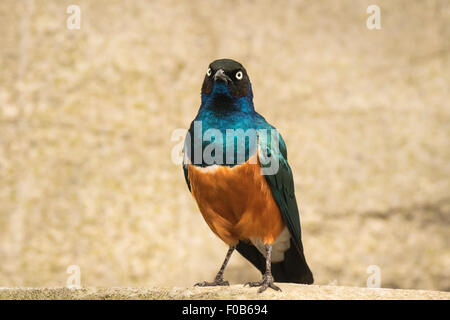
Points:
(228, 77)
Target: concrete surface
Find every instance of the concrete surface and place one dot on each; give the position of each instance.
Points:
(290, 291)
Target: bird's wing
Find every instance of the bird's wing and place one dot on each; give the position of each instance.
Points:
(281, 182)
(186, 162)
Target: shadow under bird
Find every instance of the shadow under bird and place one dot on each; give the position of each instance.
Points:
(253, 212)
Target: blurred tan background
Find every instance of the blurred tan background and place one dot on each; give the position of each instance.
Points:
(86, 118)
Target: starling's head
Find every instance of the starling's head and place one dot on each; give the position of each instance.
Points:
(226, 78)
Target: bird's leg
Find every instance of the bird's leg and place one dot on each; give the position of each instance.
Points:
(218, 281)
(267, 279)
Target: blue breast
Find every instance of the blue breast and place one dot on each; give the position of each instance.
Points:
(226, 124)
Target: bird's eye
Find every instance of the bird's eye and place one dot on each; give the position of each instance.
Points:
(239, 75)
(208, 73)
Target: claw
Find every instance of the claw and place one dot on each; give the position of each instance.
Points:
(253, 283)
(266, 285)
(217, 282)
(266, 282)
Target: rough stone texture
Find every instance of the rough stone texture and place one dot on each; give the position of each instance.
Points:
(290, 292)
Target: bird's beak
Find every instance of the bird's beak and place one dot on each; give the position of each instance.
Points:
(220, 75)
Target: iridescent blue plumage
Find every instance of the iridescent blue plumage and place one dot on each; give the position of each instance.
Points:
(222, 112)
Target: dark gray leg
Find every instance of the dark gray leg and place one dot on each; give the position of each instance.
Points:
(218, 281)
(267, 279)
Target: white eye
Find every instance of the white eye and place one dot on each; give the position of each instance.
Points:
(208, 73)
(239, 75)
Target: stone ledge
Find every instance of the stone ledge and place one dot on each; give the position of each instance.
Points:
(290, 292)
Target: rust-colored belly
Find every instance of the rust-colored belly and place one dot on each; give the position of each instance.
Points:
(236, 202)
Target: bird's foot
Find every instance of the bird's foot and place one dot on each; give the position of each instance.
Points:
(254, 283)
(216, 282)
(266, 282)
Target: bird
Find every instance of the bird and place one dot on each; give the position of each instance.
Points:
(226, 149)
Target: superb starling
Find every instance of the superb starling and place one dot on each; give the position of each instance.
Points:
(235, 166)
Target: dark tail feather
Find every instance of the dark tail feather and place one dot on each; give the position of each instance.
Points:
(292, 269)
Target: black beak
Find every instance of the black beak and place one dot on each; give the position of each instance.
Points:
(220, 75)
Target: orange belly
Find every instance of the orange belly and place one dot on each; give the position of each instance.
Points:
(236, 203)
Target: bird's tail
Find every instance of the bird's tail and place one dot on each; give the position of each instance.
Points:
(292, 269)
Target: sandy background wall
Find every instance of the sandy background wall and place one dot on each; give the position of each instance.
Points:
(86, 118)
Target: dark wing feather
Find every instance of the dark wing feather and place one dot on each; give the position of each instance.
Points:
(281, 184)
